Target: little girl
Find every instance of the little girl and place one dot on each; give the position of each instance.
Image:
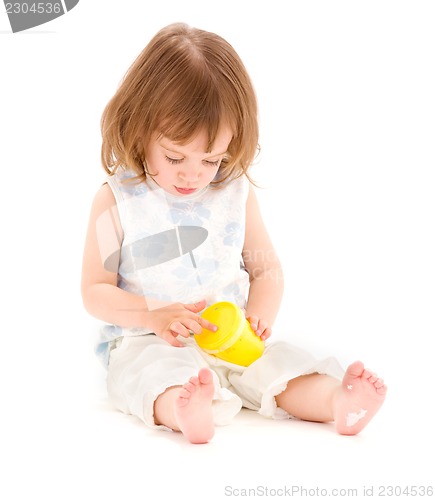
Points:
(176, 227)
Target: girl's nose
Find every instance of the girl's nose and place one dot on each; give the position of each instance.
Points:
(189, 174)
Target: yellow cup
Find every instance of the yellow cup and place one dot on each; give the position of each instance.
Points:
(234, 341)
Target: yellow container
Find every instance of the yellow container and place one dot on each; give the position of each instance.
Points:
(234, 341)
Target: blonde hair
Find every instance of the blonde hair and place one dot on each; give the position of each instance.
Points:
(185, 81)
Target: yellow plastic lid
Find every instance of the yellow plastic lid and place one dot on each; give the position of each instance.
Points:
(230, 321)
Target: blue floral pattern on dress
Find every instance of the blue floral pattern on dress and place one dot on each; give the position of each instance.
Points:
(189, 214)
(234, 234)
(178, 249)
(202, 274)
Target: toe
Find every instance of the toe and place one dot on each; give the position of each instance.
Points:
(378, 383)
(205, 376)
(189, 387)
(382, 390)
(194, 380)
(184, 393)
(356, 369)
(368, 374)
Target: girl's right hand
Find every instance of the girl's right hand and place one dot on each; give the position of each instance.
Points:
(178, 319)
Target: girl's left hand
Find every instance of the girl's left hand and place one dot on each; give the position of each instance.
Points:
(260, 327)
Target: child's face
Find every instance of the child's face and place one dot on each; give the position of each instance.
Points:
(182, 169)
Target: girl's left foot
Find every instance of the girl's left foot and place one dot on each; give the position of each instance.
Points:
(358, 400)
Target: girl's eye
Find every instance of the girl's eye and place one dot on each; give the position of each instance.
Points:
(176, 161)
(173, 161)
(212, 163)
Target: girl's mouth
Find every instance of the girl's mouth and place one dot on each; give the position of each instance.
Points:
(185, 190)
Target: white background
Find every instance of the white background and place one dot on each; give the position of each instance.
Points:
(347, 107)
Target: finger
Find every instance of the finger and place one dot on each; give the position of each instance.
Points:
(204, 323)
(262, 327)
(179, 329)
(170, 339)
(196, 325)
(196, 307)
(193, 325)
(266, 334)
(253, 321)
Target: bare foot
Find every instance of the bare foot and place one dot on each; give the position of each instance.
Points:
(193, 408)
(360, 397)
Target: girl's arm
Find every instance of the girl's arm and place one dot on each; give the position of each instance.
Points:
(102, 297)
(265, 272)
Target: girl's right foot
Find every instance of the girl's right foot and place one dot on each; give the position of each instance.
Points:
(193, 408)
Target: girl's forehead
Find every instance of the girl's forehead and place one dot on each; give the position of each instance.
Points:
(199, 143)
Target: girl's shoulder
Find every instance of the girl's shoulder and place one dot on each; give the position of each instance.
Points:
(126, 184)
(104, 198)
(239, 185)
